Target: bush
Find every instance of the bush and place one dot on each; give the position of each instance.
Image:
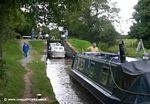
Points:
(103, 46)
(3, 75)
(55, 33)
(46, 30)
(131, 43)
(131, 52)
(130, 48)
(114, 49)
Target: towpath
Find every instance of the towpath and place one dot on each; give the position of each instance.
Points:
(28, 85)
(27, 78)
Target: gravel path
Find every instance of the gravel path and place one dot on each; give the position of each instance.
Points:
(27, 92)
(28, 84)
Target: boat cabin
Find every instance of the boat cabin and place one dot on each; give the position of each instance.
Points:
(110, 80)
(55, 49)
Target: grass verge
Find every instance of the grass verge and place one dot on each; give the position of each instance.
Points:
(14, 71)
(40, 82)
(130, 47)
(37, 46)
(79, 45)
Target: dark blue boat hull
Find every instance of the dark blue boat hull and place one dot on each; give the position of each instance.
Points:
(99, 95)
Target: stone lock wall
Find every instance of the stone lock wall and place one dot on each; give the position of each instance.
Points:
(70, 51)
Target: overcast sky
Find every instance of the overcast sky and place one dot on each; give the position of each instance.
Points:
(126, 10)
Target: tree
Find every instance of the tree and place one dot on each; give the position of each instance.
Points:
(141, 28)
(77, 15)
(83, 18)
(88, 19)
(12, 22)
(90, 25)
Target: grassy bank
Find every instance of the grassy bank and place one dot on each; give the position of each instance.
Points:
(130, 47)
(40, 82)
(14, 70)
(37, 46)
(79, 45)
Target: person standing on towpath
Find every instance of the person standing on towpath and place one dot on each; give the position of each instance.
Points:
(25, 49)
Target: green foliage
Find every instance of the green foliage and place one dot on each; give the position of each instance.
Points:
(85, 26)
(80, 45)
(131, 45)
(141, 29)
(108, 34)
(131, 42)
(76, 15)
(131, 51)
(15, 86)
(55, 33)
(3, 75)
(26, 27)
(2, 71)
(108, 48)
(13, 21)
(38, 46)
(130, 48)
(104, 47)
(46, 30)
(124, 36)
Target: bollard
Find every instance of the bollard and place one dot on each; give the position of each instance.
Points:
(39, 96)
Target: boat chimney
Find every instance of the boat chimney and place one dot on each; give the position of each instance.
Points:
(122, 52)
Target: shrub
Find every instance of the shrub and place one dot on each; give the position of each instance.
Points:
(55, 33)
(3, 75)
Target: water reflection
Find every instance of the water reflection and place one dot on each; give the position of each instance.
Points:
(62, 86)
(65, 91)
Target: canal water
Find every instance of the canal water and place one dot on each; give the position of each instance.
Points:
(66, 90)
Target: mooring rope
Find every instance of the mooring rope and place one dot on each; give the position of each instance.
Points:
(127, 91)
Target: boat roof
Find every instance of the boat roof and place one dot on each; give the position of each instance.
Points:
(132, 66)
(55, 44)
(54, 41)
(102, 56)
(136, 67)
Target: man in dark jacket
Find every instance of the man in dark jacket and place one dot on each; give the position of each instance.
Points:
(25, 49)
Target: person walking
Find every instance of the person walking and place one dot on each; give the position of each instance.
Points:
(25, 49)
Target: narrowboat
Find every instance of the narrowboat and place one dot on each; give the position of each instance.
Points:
(113, 78)
(55, 49)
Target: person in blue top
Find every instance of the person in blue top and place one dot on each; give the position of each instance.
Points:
(25, 49)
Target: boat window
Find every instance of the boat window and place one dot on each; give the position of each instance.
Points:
(91, 69)
(75, 63)
(104, 76)
(80, 64)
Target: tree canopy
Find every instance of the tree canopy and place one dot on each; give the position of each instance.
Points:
(88, 19)
(73, 14)
(85, 19)
(141, 28)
